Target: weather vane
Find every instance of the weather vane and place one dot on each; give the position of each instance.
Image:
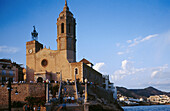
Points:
(34, 34)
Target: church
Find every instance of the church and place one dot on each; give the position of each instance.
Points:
(43, 63)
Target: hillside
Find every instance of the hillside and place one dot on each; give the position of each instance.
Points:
(138, 93)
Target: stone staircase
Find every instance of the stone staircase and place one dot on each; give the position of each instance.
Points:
(70, 90)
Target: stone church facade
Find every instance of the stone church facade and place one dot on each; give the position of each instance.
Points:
(43, 63)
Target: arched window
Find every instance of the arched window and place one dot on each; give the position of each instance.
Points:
(76, 71)
(62, 28)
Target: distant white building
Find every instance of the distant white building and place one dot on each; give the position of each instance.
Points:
(162, 99)
(122, 98)
(134, 100)
(110, 86)
(141, 99)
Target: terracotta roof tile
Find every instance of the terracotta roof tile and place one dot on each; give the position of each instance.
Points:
(85, 61)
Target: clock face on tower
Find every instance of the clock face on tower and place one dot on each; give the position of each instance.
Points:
(30, 51)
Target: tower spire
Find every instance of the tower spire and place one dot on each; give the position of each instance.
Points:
(66, 7)
(66, 33)
(65, 2)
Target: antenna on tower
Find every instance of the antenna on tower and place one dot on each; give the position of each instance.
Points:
(65, 2)
(34, 34)
(66, 7)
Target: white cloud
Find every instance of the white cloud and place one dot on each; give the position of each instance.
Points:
(136, 41)
(132, 43)
(127, 68)
(158, 53)
(154, 73)
(125, 63)
(129, 73)
(149, 37)
(98, 66)
(125, 52)
(120, 53)
(159, 71)
(7, 49)
(129, 41)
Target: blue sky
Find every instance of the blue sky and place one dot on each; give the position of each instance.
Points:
(127, 39)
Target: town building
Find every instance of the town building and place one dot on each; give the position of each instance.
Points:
(161, 99)
(109, 86)
(12, 70)
(123, 98)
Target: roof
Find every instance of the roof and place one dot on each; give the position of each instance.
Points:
(5, 60)
(85, 61)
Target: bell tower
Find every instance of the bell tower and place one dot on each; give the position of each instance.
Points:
(32, 47)
(66, 34)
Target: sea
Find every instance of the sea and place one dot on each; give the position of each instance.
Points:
(147, 108)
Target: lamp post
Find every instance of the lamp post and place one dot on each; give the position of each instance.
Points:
(47, 104)
(46, 91)
(9, 96)
(86, 104)
(85, 100)
(9, 88)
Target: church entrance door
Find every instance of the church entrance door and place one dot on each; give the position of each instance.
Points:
(40, 79)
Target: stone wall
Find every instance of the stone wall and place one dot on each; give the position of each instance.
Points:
(92, 75)
(31, 89)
